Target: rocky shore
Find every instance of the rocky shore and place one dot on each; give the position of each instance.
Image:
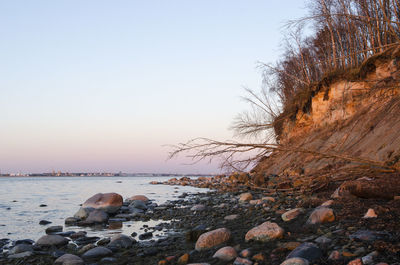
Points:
(236, 226)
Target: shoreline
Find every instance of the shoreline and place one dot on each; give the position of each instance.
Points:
(333, 242)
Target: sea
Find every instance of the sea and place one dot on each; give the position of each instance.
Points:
(25, 201)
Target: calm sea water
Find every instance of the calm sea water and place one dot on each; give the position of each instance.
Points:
(20, 198)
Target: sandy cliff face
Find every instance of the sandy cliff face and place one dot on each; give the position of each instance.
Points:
(356, 118)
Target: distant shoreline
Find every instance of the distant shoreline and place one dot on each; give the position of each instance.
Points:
(110, 176)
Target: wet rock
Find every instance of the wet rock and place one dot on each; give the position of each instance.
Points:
(308, 251)
(245, 197)
(97, 253)
(69, 259)
(120, 241)
(71, 221)
(295, 261)
(321, 215)
(20, 248)
(292, 214)
(86, 248)
(212, 239)
(367, 235)
(225, 254)
(146, 235)
(107, 202)
(86, 240)
(138, 205)
(265, 232)
(96, 216)
(54, 229)
(78, 234)
(242, 261)
(52, 240)
(370, 214)
(20, 255)
(24, 241)
(44, 222)
(139, 198)
(83, 213)
(198, 207)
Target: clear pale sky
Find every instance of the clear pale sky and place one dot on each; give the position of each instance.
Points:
(102, 85)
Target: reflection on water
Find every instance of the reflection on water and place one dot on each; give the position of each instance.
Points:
(20, 200)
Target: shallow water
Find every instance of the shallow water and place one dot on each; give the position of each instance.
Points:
(21, 197)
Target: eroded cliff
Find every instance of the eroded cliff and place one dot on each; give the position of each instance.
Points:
(354, 115)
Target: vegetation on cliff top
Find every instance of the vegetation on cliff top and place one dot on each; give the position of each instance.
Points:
(347, 38)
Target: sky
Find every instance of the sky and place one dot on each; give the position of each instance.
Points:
(104, 85)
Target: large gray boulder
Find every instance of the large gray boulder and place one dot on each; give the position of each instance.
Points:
(52, 240)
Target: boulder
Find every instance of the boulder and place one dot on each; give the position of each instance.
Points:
(83, 213)
(97, 253)
(52, 240)
(71, 221)
(321, 215)
(226, 254)
(97, 216)
(138, 205)
(120, 241)
(292, 214)
(69, 259)
(20, 248)
(108, 202)
(139, 198)
(20, 255)
(265, 232)
(212, 239)
(54, 229)
(308, 251)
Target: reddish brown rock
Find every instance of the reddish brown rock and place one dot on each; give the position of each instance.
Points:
(212, 239)
(139, 198)
(245, 197)
(370, 214)
(321, 215)
(226, 254)
(107, 202)
(265, 232)
(292, 214)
